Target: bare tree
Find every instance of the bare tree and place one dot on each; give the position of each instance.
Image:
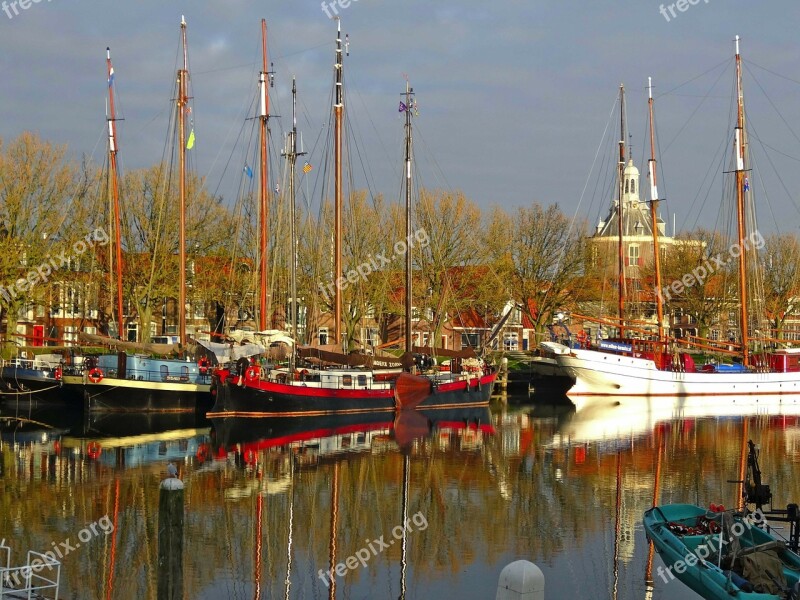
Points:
(542, 255)
(780, 265)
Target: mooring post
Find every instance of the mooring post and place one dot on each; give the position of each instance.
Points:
(170, 537)
(521, 580)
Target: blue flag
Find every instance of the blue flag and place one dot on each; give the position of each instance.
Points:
(402, 108)
(248, 171)
(111, 77)
(746, 183)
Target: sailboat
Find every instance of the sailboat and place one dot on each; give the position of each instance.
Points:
(629, 368)
(308, 388)
(123, 382)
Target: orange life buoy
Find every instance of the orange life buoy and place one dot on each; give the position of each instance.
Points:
(203, 365)
(95, 375)
(252, 373)
(93, 450)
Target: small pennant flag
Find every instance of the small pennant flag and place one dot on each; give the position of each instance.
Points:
(402, 107)
(277, 188)
(190, 141)
(307, 167)
(746, 183)
(248, 171)
(111, 77)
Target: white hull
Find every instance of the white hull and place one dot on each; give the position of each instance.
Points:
(601, 375)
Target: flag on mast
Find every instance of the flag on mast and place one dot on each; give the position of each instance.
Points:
(402, 107)
(307, 167)
(190, 141)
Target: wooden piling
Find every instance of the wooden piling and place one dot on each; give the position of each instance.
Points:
(170, 538)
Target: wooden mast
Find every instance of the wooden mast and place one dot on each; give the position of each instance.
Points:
(183, 100)
(653, 223)
(740, 149)
(620, 227)
(291, 154)
(409, 96)
(338, 109)
(112, 163)
(263, 213)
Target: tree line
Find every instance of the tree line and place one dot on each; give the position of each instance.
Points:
(464, 258)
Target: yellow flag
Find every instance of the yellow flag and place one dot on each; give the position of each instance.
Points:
(190, 141)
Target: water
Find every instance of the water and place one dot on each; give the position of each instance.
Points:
(263, 497)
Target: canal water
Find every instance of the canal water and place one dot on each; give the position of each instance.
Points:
(425, 506)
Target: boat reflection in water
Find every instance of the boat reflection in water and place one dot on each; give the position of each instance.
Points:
(274, 505)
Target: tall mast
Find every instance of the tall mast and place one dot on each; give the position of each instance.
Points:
(112, 162)
(740, 149)
(183, 99)
(291, 154)
(263, 312)
(653, 204)
(338, 109)
(620, 227)
(409, 95)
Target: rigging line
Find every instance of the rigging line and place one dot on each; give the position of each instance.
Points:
(594, 162)
(353, 128)
(750, 62)
(349, 126)
(772, 104)
(721, 154)
(773, 148)
(754, 169)
(664, 179)
(688, 81)
(374, 127)
(694, 112)
(714, 167)
(255, 63)
(230, 155)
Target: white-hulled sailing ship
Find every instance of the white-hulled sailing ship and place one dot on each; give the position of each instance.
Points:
(626, 370)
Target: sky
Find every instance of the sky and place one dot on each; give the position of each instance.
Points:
(513, 96)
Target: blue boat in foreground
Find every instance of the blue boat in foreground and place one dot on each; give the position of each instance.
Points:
(752, 564)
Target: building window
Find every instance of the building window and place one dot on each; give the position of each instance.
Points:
(633, 255)
(470, 340)
(633, 186)
(323, 336)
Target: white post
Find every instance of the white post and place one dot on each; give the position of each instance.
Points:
(521, 580)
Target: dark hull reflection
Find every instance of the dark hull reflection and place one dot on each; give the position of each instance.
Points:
(264, 432)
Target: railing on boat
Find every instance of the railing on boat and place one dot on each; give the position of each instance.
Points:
(39, 577)
(163, 375)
